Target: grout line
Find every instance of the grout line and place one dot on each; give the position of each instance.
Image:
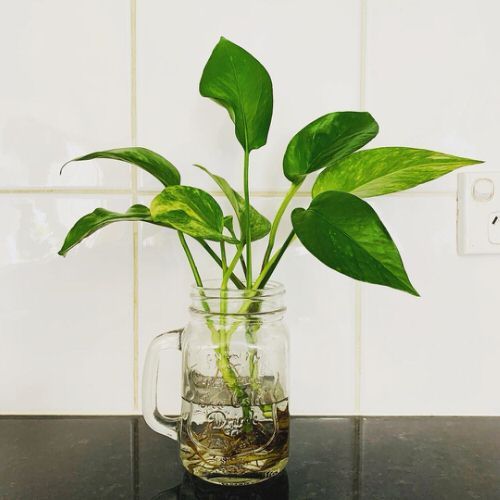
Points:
(306, 194)
(135, 278)
(133, 180)
(215, 192)
(63, 190)
(135, 191)
(410, 194)
(135, 320)
(362, 59)
(357, 347)
(133, 71)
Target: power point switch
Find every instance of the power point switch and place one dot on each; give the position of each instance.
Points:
(484, 189)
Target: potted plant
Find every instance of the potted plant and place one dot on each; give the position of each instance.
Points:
(233, 428)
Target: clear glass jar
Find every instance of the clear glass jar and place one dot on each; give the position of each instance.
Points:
(233, 427)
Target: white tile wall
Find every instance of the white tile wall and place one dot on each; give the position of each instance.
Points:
(64, 91)
(432, 79)
(163, 300)
(66, 324)
(70, 343)
(437, 354)
(311, 50)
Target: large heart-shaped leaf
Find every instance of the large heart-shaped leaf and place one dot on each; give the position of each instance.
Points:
(326, 140)
(236, 80)
(373, 172)
(146, 159)
(99, 218)
(259, 225)
(346, 234)
(190, 210)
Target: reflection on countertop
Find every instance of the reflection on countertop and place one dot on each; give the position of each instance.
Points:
(331, 458)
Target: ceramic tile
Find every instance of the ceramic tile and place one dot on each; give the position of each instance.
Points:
(311, 52)
(64, 91)
(437, 354)
(164, 284)
(431, 80)
(66, 323)
(320, 316)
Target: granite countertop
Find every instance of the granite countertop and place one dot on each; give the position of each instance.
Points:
(348, 457)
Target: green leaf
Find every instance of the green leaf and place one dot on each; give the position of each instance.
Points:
(346, 234)
(191, 211)
(373, 172)
(228, 223)
(146, 159)
(326, 140)
(236, 80)
(259, 225)
(99, 218)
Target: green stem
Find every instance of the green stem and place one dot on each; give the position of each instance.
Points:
(231, 379)
(196, 274)
(248, 232)
(191, 261)
(277, 219)
(250, 333)
(227, 371)
(243, 265)
(269, 268)
(242, 260)
(231, 266)
(253, 366)
(262, 279)
(223, 296)
(237, 282)
(223, 257)
(223, 347)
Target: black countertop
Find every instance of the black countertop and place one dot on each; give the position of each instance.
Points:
(348, 457)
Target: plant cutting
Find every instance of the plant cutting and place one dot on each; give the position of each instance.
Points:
(233, 427)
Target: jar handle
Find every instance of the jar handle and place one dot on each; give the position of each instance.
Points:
(168, 426)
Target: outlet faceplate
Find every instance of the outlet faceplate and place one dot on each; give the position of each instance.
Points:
(479, 213)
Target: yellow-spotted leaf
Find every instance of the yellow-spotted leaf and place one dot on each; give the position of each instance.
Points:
(98, 219)
(192, 211)
(373, 172)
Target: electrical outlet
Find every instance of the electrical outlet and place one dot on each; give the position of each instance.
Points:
(494, 225)
(479, 213)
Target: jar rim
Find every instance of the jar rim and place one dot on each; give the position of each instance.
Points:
(211, 290)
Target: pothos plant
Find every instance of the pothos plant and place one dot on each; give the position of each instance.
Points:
(339, 228)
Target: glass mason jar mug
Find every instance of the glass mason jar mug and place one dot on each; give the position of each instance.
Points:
(233, 427)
